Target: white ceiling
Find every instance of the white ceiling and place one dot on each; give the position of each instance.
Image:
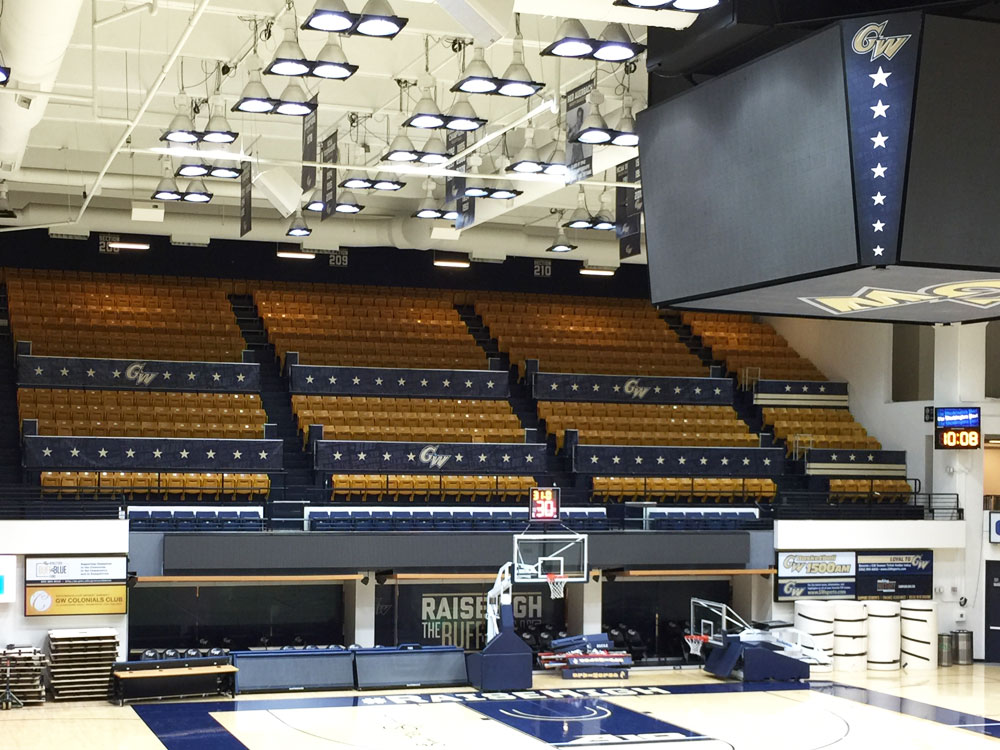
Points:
(80, 126)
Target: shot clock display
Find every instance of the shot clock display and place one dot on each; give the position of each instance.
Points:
(543, 504)
(958, 428)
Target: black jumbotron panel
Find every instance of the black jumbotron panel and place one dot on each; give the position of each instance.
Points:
(853, 174)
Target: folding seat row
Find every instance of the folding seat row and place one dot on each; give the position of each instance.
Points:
(391, 358)
(673, 489)
(176, 414)
(425, 434)
(168, 486)
(86, 428)
(429, 488)
(392, 405)
(871, 490)
(200, 399)
(141, 519)
(628, 410)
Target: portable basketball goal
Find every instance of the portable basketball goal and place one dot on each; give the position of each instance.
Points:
(552, 559)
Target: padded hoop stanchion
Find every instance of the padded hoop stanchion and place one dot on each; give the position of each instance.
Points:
(918, 634)
(815, 617)
(883, 636)
(850, 636)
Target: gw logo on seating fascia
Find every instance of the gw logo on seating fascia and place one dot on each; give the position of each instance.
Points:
(981, 293)
(429, 455)
(633, 388)
(136, 373)
(870, 38)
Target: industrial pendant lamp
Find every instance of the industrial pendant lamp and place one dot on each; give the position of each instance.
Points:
(434, 151)
(527, 160)
(477, 78)
(197, 192)
(378, 19)
(181, 128)
(517, 81)
(595, 129)
(329, 15)
(426, 114)
(289, 59)
(580, 218)
(462, 115)
(297, 227)
(166, 189)
(331, 62)
(401, 149)
(255, 98)
(428, 207)
(560, 244)
(294, 101)
(347, 203)
(572, 40)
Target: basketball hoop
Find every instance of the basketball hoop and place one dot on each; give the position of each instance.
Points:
(557, 585)
(694, 643)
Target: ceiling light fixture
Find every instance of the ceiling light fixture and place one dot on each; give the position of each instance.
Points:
(197, 192)
(4, 75)
(297, 227)
(446, 259)
(255, 98)
(347, 203)
(386, 183)
(128, 245)
(294, 254)
(401, 149)
(517, 81)
(527, 160)
(615, 45)
(477, 78)
(330, 15)
(586, 270)
(624, 134)
(695, 5)
(331, 62)
(378, 19)
(505, 191)
(166, 189)
(561, 244)
(192, 166)
(181, 128)
(426, 114)
(647, 4)
(594, 130)
(580, 218)
(294, 101)
(315, 205)
(462, 115)
(428, 207)
(218, 129)
(434, 151)
(223, 171)
(572, 40)
(450, 214)
(289, 59)
(356, 181)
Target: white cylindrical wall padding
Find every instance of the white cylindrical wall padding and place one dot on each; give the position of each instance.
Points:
(850, 636)
(883, 636)
(816, 618)
(918, 631)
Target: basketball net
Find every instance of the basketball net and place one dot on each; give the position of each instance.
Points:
(694, 643)
(557, 585)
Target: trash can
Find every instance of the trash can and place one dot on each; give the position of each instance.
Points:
(945, 645)
(963, 646)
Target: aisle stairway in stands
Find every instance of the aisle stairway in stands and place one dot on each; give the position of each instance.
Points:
(294, 489)
(10, 433)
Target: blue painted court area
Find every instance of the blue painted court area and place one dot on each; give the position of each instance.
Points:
(559, 718)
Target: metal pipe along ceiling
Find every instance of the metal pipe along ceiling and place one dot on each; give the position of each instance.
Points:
(34, 37)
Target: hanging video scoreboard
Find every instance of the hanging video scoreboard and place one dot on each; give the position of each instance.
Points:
(543, 504)
(958, 428)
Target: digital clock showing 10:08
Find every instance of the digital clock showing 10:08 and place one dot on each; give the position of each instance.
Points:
(543, 504)
(957, 428)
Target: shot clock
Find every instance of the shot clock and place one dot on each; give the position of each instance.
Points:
(543, 504)
(957, 428)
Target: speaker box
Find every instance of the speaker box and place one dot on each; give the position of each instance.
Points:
(280, 189)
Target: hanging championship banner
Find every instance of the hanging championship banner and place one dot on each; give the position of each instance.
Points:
(628, 210)
(309, 123)
(246, 199)
(579, 156)
(454, 187)
(329, 154)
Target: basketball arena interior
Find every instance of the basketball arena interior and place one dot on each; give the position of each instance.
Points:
(371, 371)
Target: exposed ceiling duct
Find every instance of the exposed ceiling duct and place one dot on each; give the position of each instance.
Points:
(34, 36)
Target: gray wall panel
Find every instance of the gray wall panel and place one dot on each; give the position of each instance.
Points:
(188, 554)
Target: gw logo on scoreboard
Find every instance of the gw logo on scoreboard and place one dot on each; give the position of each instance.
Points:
(871, 39)
(981, 293)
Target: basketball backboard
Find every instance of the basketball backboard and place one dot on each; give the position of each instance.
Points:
(537, 556)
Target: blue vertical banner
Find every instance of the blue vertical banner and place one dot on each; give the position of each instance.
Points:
(454, 187)
(628, 210)
(309, 123)
(329, 154)
(880, 66)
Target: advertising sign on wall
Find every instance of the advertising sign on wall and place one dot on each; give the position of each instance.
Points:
(897, 574)
(815, 575)
(455, 614)
(77, 585)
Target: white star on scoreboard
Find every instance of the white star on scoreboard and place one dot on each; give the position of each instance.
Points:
(878, 199)
(879, 171)
(878, 250)
(878, 225)
(879, 140)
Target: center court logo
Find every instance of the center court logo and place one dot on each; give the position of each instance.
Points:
(871, 39)
(429, 455)
(980, 293)
(137, 374)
